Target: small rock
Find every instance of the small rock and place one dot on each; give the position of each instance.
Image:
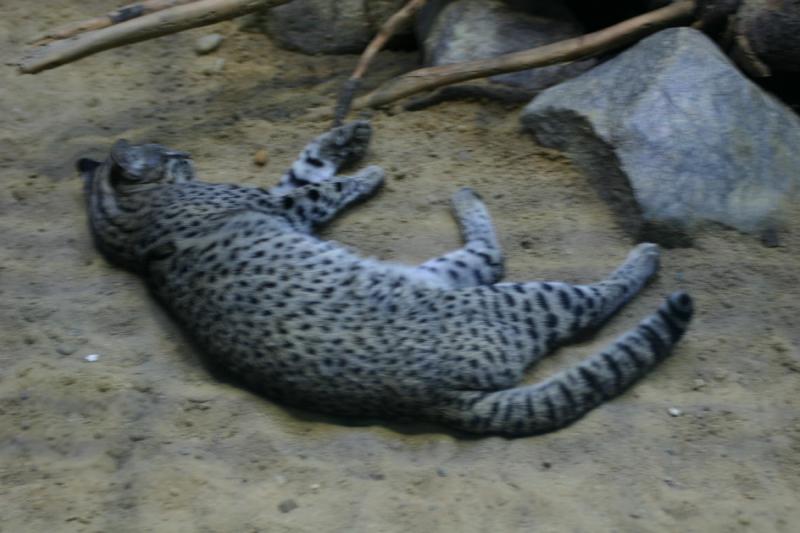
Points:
(261, 157)
(174, 492)
(770, 238)
(208, 43)
(314, 486)
(213, 67)
(65, 349)
(720, 375)
(287, 506)
(199, 399)
(674, 411)
(92, 357)
(441, 472)
(699, 384)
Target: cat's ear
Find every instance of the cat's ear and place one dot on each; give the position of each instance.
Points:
(178, 168)
(86, 167)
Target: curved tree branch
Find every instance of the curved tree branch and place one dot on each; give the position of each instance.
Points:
(354, 82)
(172, 20)
(567, 50)
(117, 16)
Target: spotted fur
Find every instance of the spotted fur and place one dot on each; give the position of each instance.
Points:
(311, 323)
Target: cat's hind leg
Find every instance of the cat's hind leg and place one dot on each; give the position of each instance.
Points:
(571, 393)
(480, 261)
(555, 312)
(609, 295)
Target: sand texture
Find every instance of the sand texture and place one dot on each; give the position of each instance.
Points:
(144, 439)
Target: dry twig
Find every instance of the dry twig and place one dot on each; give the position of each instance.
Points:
(117, 16)
(172, 20)
(388, 29)
(568, 50)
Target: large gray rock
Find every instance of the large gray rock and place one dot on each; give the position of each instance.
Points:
(674, 135)
(327, 26)
(464, 30)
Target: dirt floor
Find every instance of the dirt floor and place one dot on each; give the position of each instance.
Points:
(144, 439)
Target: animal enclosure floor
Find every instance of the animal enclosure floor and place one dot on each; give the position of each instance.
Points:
(144, 439)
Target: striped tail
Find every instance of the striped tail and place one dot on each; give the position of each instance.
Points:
(568, 395)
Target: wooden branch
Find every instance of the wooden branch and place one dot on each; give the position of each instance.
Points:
(745, 57)
(568, 50)
(117, 16)
(173, 20)
(388, 29)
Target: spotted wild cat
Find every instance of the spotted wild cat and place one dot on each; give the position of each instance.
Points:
(310, 323)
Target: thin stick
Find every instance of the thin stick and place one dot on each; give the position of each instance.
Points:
(172, 20)
(388, 29)
(117, 16)
(568, 50)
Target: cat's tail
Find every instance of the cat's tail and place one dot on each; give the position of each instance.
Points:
(568, 395)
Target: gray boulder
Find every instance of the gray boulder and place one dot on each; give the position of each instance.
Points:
(673, 135)
(464, 30)
(327, 26)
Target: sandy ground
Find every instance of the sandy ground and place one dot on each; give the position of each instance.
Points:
(145, 439)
